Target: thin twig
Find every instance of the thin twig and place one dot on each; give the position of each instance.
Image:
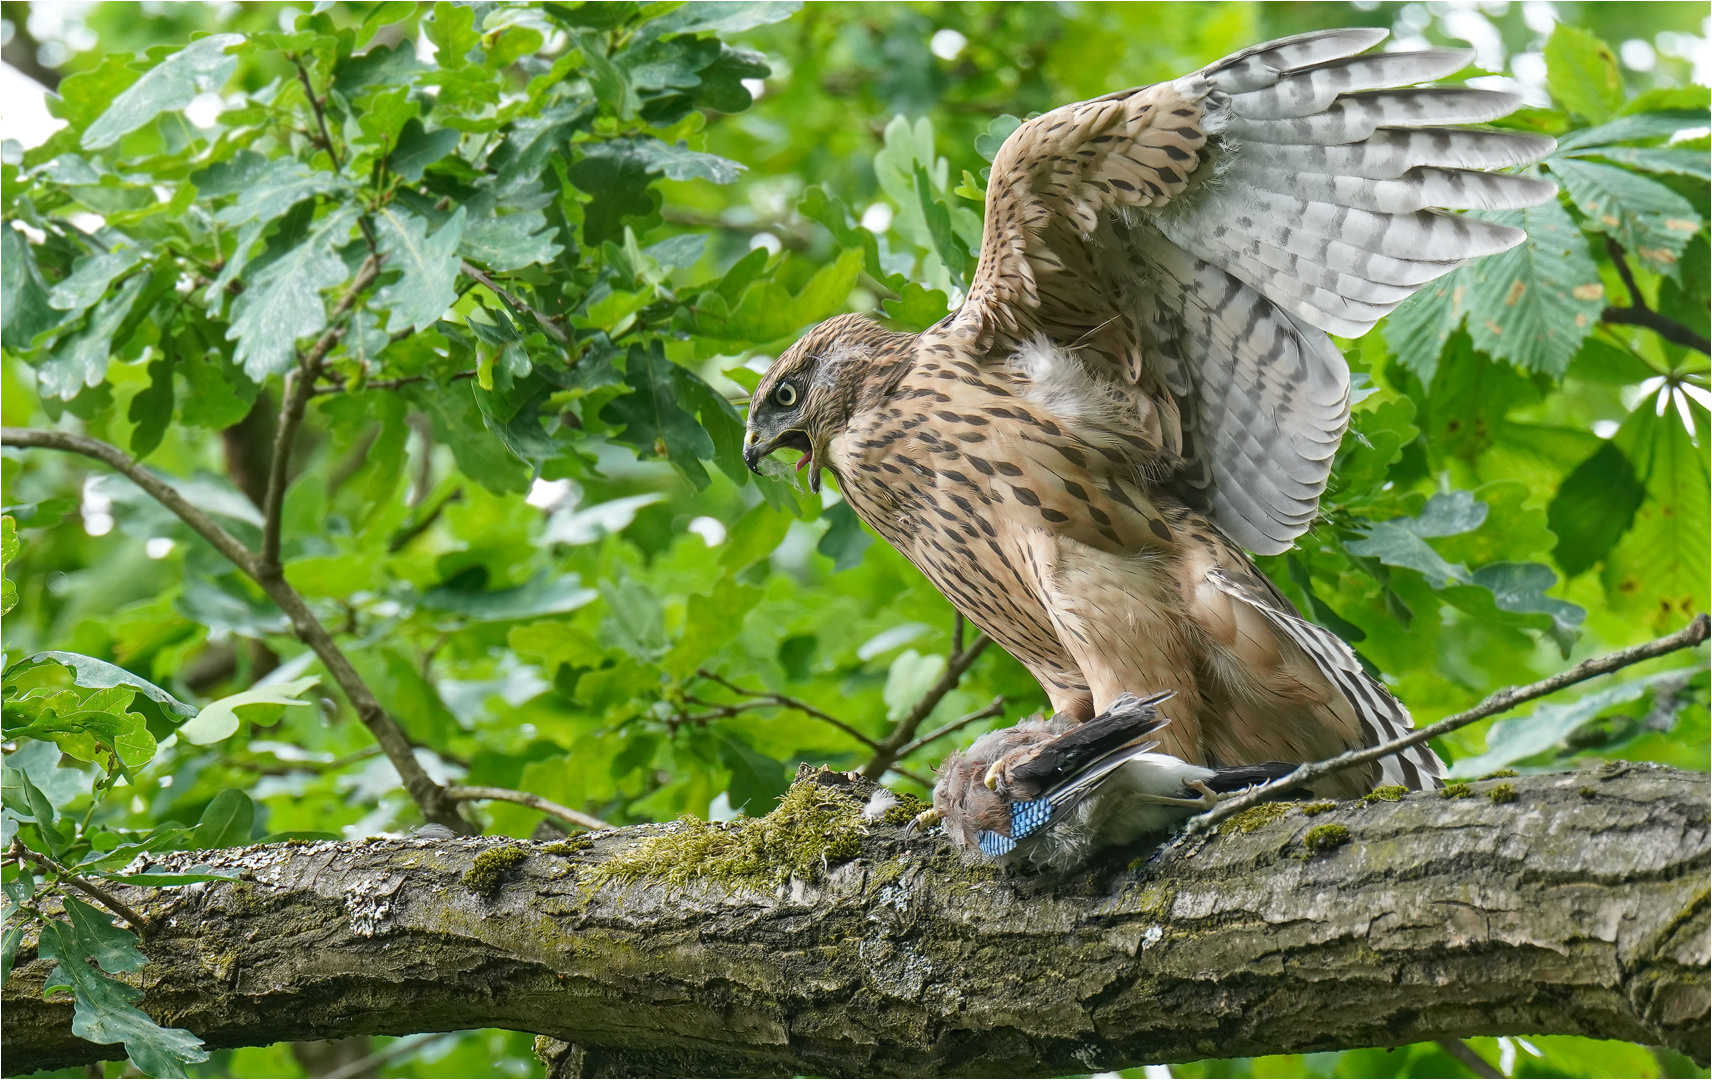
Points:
(143, 925)
(786, 702)
(794, 237)
(1689, 636)
(315, 106)
(1472, 1061)
(993, 708)
(1662, 325)
(716, 711)
(286, 766)
(534, 802)
(891, 748)
(1619, 259)
(392, 739)
(339, 386)
(370, 1066)
(162, 492)
(1639, 314)
(548, 323)
(408, 532)
(299, 385)
(910, 774)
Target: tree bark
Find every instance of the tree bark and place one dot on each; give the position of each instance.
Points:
(1580, 907)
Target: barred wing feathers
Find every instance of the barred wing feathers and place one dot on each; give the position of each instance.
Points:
(1381, 715)
(1200, 239)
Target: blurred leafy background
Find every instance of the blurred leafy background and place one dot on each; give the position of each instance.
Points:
(516, 500)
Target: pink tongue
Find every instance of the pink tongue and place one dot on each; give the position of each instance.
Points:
(802, 462)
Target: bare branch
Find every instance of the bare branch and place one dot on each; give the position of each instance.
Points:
(1689, 636)
(891, 748)
(431, 797)
(282, 767)
(785, 702)
(910, 774)
(1638, 314)
(339, 387)
(548, 323)
(162, 492)
(1588, 918)
(534, 802)
(299, 385)
(1664, 326)
(142, 924)
(370, 1066)
(411, 530)
(315, 105)
(23, 52)
(991, 709)
(1464, 1053)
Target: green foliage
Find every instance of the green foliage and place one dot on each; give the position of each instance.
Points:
(1583, 74)
(105, 1008)
(518, 500)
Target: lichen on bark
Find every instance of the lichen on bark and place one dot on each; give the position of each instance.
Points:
(1557, 912)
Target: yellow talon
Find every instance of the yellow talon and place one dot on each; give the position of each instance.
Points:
(923, 821)
(992, 777)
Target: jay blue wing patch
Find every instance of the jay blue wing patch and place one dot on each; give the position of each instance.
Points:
(1027, 818)
(1030, 817)
(995, 845)
(1034, 816)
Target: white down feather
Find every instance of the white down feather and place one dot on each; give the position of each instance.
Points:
(1097, 410)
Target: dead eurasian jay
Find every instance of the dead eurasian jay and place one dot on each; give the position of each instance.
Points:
(1053, 792)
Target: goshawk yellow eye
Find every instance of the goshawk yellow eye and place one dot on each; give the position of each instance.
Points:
(785, 395)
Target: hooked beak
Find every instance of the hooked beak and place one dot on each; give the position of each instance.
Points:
(796, 439)
(992, 777)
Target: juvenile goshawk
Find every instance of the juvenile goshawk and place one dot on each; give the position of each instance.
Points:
(1139, 383)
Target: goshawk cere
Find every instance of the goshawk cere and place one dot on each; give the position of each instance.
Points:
(1140, 384)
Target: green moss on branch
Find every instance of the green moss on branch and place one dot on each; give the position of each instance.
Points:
(812, 829)
(488, 871)
(1325, 838)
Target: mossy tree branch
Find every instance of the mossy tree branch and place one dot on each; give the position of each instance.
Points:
(1578, 907)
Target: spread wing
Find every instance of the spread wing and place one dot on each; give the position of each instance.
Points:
(1192, 244)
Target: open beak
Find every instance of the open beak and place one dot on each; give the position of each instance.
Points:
(754, 450)
(992, 777)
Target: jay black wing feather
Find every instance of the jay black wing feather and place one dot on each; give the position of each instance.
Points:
(1042, 770)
